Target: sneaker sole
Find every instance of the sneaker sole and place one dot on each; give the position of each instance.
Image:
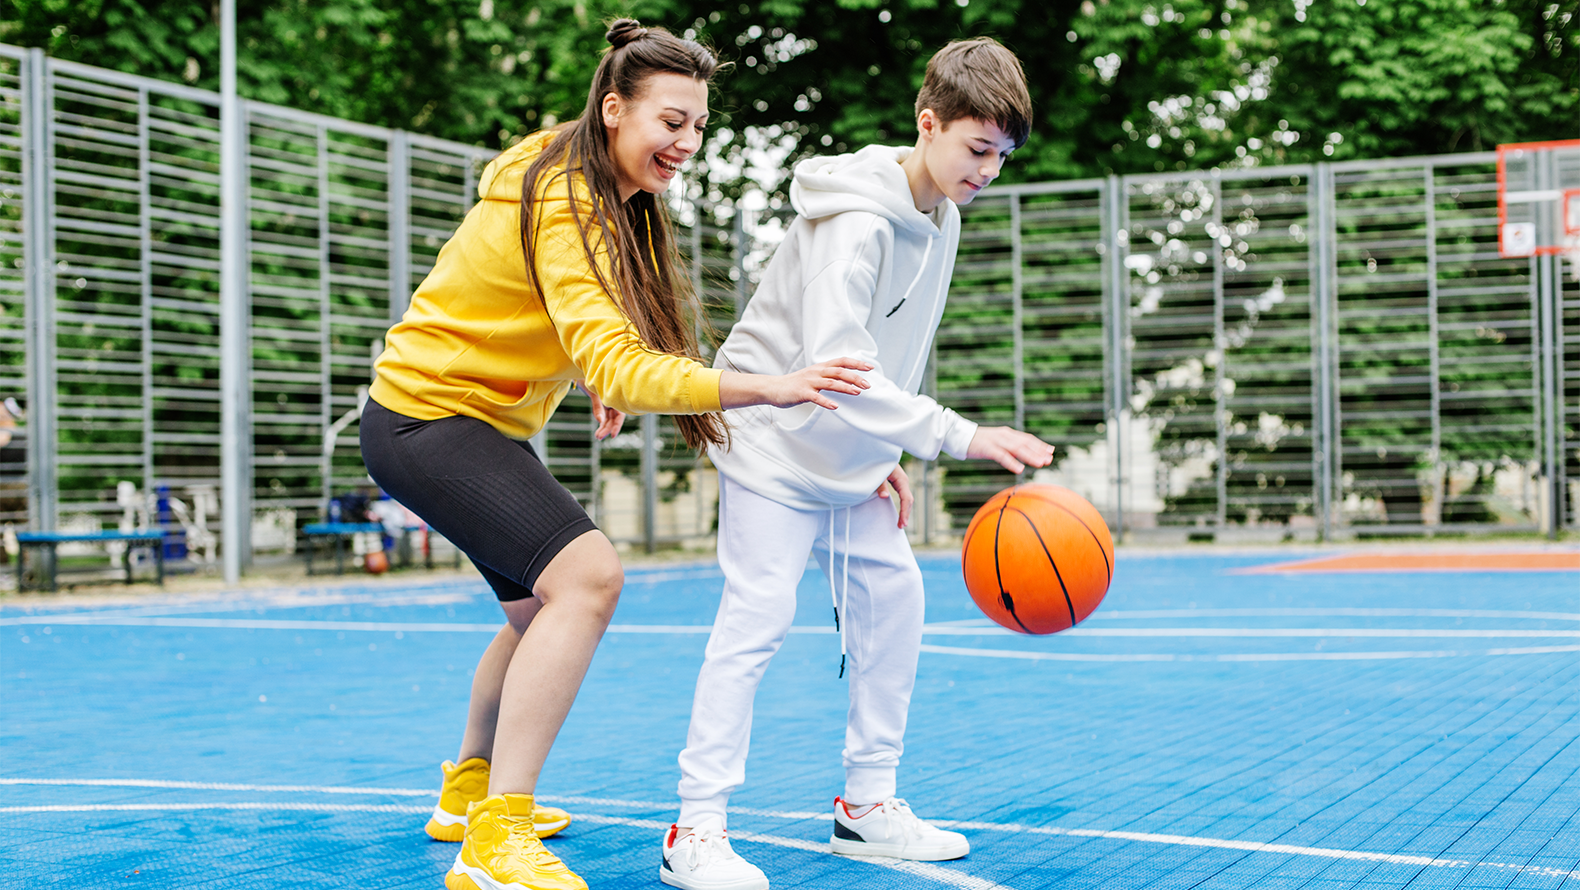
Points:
(450, 834)
(843, 847)
(674, 880)
(455, 880)
(461, 877)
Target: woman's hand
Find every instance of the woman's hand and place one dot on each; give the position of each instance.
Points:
(609, 420)
(902, 488)
(737, 390)
(1010, 448)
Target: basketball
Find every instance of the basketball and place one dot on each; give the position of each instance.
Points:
(1037, 558)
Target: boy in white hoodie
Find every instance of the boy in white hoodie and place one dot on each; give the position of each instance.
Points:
(863, 271)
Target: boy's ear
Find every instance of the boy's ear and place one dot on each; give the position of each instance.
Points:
(927, 125)
(611, 109)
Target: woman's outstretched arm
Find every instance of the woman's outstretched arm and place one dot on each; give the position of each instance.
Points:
(738, 390)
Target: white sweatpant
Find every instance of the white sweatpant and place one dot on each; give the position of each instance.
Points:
(763, 546)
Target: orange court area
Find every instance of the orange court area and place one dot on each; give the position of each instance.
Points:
(1538, 561)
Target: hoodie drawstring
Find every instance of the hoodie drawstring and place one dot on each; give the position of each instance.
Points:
(921, 267)
(840, 592)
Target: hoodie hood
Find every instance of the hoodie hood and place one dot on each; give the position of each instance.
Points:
(869, 181)
(501, 179)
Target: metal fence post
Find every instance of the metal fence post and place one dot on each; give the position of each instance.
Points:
(1439, 468)
(1117, 309)
(235, 431)
(326, 388)
(1220, 346)
(399, 178)
(649, 480)
(1017, 317)
(146, 288)
(740, 260)
(1324, 391)
(38, 221)
(1548, 288)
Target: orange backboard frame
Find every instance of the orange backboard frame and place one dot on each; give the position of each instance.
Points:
(1567, 195)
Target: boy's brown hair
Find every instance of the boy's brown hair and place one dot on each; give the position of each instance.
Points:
(978, 78)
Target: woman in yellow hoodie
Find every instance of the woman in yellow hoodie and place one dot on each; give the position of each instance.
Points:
(565, 273)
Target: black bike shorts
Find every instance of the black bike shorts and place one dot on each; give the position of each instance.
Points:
(487, 494)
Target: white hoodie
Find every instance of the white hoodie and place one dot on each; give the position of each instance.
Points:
(861, 273)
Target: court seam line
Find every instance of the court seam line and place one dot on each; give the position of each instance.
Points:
(921, 869)
(1246, 656)
(312, 601)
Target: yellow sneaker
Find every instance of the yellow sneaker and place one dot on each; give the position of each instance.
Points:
(468, 783)
(502, 851)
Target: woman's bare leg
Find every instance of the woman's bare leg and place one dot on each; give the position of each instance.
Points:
(561, 625)
(482, 715)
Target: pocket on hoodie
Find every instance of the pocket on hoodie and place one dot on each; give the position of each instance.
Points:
(828, 447)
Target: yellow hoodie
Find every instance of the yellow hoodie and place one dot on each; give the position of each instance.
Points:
(477, 342)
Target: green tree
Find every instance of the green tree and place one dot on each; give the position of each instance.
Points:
(1121, 86)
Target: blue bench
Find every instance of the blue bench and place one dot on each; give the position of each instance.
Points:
(46, 542)
(337, 532)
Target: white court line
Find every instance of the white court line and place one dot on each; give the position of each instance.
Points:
(1383, 632)
(929, 630)
(247, 805)
(159, 616)
(243, 600)
(363, 626)
(282, 601)
(225, 786)
(1246, 656)
(1325, 613)
(921, 869)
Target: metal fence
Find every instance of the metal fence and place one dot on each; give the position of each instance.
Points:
(1267, 353)
(1320, 350)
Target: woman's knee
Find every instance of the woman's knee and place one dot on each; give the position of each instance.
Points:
(586, 574)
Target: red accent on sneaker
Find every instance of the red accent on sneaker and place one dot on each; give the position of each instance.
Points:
(669, 841)
(846, 804)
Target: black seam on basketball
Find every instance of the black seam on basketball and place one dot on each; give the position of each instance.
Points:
(1003, 595)
(1069, 604)
(1088, 528)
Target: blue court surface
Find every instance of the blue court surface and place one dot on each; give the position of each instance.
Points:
(1204, 729)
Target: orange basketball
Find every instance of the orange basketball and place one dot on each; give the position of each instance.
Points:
(1038, 558)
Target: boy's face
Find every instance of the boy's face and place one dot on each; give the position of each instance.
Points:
(963, 156)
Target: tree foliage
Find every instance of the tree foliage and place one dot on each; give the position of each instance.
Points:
(1121, 86)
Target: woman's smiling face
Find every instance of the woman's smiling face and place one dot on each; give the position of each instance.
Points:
(650, 137)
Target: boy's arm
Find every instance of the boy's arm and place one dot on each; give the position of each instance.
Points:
(837, 302)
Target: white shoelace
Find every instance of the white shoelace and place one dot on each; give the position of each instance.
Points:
(897, 813)
(705, 846)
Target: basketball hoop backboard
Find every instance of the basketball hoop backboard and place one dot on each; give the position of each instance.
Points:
(1539, 198)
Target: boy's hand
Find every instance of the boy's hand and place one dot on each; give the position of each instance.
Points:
(609, 419)
(1010, 448)
(902, 487)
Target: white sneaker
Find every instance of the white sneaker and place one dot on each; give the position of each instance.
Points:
(703, 860)
(891, 829)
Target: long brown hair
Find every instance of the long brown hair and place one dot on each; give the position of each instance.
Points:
(647, 284)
